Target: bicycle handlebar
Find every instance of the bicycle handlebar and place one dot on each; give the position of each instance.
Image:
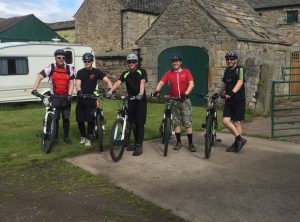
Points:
(206, 96)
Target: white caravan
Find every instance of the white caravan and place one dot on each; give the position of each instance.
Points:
(20, 62)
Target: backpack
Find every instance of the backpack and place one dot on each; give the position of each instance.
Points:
(53, 68)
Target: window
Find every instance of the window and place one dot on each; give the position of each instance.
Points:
(69, 57)
(13, 66)
(292, 17)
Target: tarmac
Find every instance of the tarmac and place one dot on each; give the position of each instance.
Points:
(260, 183)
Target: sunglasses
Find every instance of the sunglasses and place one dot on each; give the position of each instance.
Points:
(230, 59)
(131, 62)
(59, 57)
(87, 61)
(175, 60)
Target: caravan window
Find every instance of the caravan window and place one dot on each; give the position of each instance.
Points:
(69, 57)
(13, 66)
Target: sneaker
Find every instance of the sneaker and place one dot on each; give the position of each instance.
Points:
(240, 144)
(82, 140)
(192, 148)
(138, 151)
(87, 142)
(177, 146)
(232, 148)
(131, 147)
(67, 140)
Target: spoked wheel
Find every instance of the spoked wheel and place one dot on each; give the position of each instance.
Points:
(209, 137)
(99, 133)
(48, 137)
(166, 135)
(117, 145)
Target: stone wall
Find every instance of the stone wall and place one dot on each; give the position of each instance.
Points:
(199, 30)
(134, 26)
(99, 13)
(278, 17)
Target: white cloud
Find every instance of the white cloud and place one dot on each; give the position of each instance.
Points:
(47, 11)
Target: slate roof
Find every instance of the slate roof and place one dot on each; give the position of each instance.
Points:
(10, 22)
(151, 6)
(241, 21)
(62, 25)
(262, 4)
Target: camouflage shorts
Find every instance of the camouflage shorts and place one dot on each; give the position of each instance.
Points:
(182, 113)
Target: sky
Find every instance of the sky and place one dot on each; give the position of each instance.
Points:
(46, 10)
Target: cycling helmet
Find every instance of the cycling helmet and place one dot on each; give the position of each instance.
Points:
(231, 54)
(59, 52)
(132, 57)
(88, 57)
(176, 57)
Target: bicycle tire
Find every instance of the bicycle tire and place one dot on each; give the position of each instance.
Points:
(49, 137)
(208, 135)
(100, 133)
(167, 134)
(161, 131)
(117, 145)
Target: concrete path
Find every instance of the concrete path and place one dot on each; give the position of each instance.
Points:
(261, 183)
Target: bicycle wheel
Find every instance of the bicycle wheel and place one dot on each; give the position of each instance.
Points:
(49, 137)
(161, 131)
(117, 147)
(100, 123)
(208, 135)
(167, 134)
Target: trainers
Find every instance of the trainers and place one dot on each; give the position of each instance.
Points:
(177, 146)
(232, 148)
(240, 144)
(138, 151)
(192, 148)
(67, 140)
(131, 147)
(82, 140)
(87, 142)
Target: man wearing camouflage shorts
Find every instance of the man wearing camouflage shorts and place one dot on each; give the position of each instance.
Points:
(181, 84)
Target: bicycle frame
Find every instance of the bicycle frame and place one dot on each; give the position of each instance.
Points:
(49, 109)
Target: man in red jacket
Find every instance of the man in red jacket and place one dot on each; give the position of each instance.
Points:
(61, 78)
(181, 84)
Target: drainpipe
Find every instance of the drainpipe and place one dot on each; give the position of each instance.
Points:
(122, 34)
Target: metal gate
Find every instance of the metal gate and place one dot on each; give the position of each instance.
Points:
(285, 109)
(196, 60)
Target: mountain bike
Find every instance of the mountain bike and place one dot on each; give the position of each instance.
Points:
(166, 128)
(99, 120)
(49, 123)
(120, 131)
(211, 122)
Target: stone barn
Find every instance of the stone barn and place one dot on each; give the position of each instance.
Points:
(202, 31)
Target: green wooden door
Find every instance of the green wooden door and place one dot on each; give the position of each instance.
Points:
(196, 60)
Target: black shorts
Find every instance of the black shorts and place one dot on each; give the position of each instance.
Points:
(235, 110)
(137, 111)
(62, 106)
(84, 110)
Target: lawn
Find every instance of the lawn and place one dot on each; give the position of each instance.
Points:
(28, 176)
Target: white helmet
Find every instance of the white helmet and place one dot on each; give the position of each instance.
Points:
(132, 57)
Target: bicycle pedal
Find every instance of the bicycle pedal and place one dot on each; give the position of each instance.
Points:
(219, 140)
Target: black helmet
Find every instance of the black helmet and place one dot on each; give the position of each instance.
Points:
(231, 54)
(176, 57)
(59, 52)
(88, 57)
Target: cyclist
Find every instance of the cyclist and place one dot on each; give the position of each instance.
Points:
(181, 84)
(61, 77)
(135, 79)
(86, 82)
(235, 104)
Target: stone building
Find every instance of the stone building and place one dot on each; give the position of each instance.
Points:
(65, 29)
(201, 30)
(209, 28)
(109, 25)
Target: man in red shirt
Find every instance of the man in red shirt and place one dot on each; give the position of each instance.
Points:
(181, 84)
(61, 81)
